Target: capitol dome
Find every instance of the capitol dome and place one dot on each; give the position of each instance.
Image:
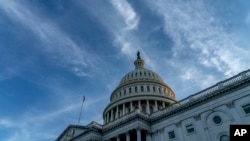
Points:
(140, 89)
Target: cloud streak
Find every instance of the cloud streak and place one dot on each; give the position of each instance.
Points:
(127, 12)
(190, 26)
(54, 41)
(35, 124)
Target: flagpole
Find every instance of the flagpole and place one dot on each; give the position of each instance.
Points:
(81, 111)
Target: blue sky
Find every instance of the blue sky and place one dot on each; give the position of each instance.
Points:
(54, 52)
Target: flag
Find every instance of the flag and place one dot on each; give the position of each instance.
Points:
(83, 98)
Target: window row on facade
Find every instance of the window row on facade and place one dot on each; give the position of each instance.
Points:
(141, 74)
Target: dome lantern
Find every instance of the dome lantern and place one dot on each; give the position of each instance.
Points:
(139, 63)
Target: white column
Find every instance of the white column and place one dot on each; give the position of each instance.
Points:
(127, 136)
(148, 107)
(131, 105)
(159, 135)
(108, 117)
(233, 112)
(105, 119)
(139, 105)
(123, 108)
(148, 137)
(138, 132)
(156, 105)
(112, 115)
(118, 138)
(179, 134)
(162, 134)
(200, 129)
(164, 104)
(117, 110)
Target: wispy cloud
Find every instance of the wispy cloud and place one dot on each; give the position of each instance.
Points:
(196, 76)
(122, 25)
(192, 27)
(123, 36)
(35, 124)
(54, 41)
(127, 12)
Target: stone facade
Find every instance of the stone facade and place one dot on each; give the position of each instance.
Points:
(143, 108)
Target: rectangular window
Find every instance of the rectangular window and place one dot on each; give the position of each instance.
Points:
(135, 89)
(142, 89)
(154, 89)
(124, 92)
(159, 90)
(190, 128)
(246, 108)
(130, 90)
(171, 135)
(148, 88)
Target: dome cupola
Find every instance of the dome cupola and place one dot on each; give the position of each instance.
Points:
(139, 63)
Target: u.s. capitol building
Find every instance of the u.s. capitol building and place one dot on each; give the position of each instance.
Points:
(143, 108)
